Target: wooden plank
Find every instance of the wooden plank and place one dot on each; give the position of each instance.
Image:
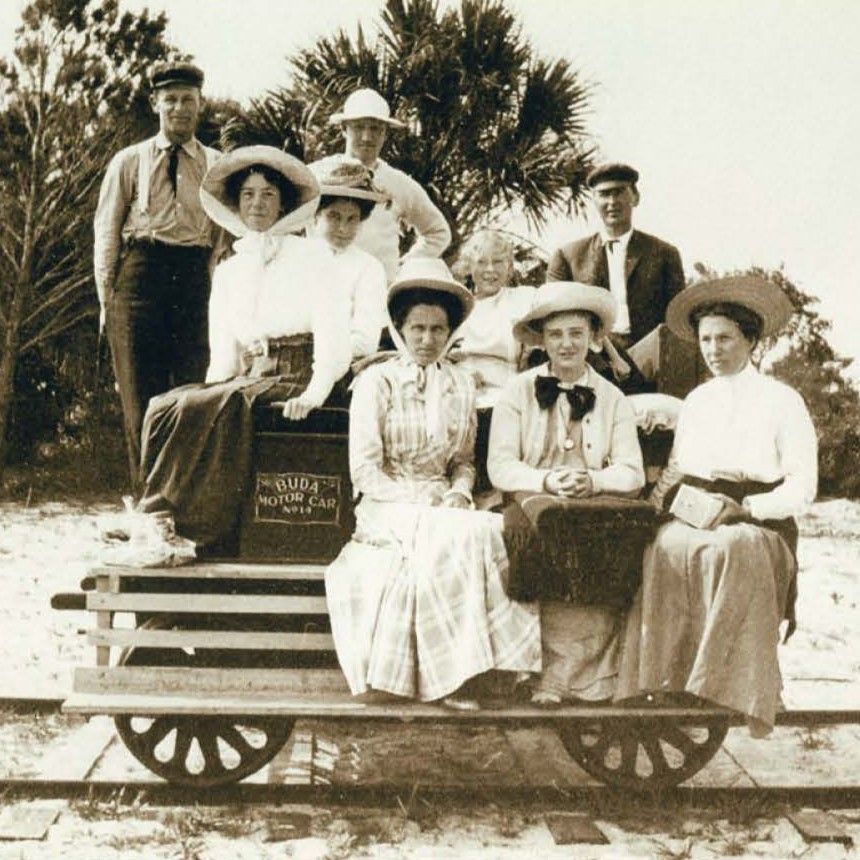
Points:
(156, 681)
(722, 771)
(569, 828)
(211, 639)
(239, 604)
(795, 756)
(544, 760)
(27, 822)
(211, 704)
(218, 570)
(104, 621)
(817, 826)
(73, 756)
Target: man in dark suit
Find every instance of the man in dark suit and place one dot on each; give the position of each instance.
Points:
(642, 272)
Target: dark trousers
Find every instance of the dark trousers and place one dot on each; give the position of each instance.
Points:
(157, 328)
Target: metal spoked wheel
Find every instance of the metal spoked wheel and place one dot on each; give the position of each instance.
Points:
(197, 751)
(643, 754)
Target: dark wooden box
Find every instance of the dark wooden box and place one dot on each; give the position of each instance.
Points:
(300, 506)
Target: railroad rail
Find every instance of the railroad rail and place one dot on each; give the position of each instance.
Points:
(528, 796)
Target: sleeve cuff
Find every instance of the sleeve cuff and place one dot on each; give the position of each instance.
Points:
(596, 481)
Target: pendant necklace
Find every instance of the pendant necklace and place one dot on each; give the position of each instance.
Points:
(568, 443)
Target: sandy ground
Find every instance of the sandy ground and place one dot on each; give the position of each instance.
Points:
(48, 548)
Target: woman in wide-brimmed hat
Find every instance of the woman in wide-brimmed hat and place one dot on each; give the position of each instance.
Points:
(348, 196)
(562, 430)
(278, 330)
(719, 578)
(416, 599)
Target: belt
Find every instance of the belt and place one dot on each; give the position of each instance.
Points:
(146, 242)
(271, 346)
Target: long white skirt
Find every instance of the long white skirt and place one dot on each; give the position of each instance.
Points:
(417, 601)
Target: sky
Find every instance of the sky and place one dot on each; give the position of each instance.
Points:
(742, 116)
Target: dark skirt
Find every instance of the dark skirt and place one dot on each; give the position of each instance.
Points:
(197, 441)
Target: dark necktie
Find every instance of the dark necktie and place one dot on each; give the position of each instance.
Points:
(580, 397)
(173, 165)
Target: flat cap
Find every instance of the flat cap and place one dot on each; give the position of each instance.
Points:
(612, 171)
(165, 74)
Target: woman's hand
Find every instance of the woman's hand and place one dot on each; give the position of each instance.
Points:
(580, 486)
(732, 512)
(455, 500)
(569, 482)
(553, 483)
(297, 408)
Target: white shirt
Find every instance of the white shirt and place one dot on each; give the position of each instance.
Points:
(409, 204)
(486, 337)
(363, 279)
(750, 427)
(616, 259)
(296, 291)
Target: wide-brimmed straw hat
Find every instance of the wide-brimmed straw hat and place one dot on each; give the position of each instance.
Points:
(347, 178)
(366, 104)
(564, 296)
(756, 294)
(429, 273)
(213, 189)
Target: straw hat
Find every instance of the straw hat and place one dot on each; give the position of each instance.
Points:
(757, 294)
(213, 189)
(560, 296)
(347, 178)
(366, 104)
(429, 273)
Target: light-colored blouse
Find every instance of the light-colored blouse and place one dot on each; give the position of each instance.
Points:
(526, 442)
(391, 454)
(486, 341)
(295, 292)
(363, 279)
(750, 426)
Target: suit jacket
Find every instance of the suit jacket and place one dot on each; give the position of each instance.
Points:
(654, 275)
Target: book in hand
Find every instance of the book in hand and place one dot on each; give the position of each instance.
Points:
(696, 507)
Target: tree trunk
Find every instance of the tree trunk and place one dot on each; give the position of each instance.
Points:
(8, 365)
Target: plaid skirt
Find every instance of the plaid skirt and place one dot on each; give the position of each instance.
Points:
(417, 602)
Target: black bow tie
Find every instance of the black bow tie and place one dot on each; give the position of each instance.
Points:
(580, 397)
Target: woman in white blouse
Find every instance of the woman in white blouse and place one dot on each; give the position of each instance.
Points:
(348, 197)
(278, 331)
(485, 343)
(744, 462)
(416, 600)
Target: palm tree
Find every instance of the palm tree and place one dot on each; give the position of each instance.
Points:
(493, 128)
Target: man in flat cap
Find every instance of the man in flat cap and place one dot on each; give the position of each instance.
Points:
(366, 119)
(153, 245)
(642, 272)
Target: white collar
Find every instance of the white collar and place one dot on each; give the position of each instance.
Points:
(623, 240)
(585, 379)
(380, 162)
(746, 375)
(162, 141)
